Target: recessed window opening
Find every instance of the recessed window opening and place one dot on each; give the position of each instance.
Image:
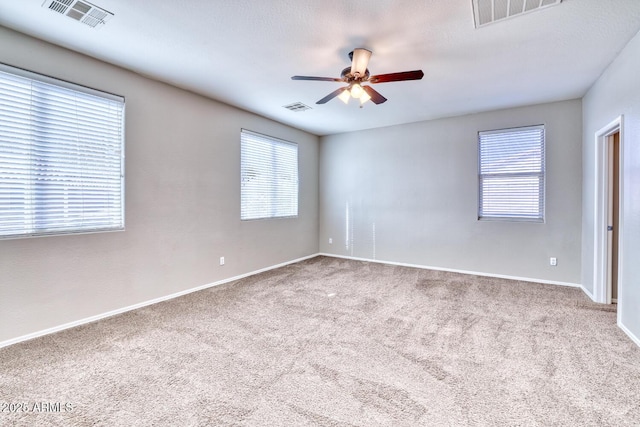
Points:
(61, 157)
(511, 174)
(269, 177)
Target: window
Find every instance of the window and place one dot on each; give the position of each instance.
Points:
(269, 177)
(512, 174)
(61, 157)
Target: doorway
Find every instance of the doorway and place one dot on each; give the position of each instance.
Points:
(613, 214)
(608, 208)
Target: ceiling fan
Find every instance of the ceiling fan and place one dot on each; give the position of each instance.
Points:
(356, 75)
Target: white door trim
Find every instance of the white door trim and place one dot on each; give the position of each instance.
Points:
(601, 293)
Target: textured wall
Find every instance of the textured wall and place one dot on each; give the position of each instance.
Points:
(616, 93)
(182, 204)
(409, 194)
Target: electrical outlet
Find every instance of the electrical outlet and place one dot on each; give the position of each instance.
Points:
(553, 261)
(330, 241)
(221, 260)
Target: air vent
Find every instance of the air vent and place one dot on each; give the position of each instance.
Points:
(488, 11)
(297, 107)
(81, 11)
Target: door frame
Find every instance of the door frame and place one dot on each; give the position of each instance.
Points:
(601, 288)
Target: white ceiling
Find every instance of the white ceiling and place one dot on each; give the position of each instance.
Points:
(244, 52)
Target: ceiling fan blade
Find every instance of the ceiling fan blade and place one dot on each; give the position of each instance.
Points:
(331, 95)
(397, 77)
(359, 61)
(321, 79)
(376, 98)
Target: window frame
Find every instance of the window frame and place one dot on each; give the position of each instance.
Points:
(541, 175)
(246, 215)
(58, 229)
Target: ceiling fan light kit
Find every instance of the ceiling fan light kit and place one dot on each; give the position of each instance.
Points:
(356, 90)
(364, 98)
(344, 96)
(358, 74)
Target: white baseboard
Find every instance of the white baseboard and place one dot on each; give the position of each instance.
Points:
(262, 270)
(231, 279)
(143, 304)
(453, 270)
(630, 334)
(634, 338)
(589, 294)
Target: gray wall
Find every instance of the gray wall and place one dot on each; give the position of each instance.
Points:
(616, 93)
(182, 204)
(408, 194)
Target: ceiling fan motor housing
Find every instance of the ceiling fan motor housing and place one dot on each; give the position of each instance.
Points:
(349, 78)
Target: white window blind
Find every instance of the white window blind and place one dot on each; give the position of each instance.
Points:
(61, 157)
(512, 174)
(269, 177)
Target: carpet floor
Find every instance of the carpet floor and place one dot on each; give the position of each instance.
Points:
(333, 342)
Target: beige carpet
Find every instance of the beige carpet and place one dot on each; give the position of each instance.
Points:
(330, 342)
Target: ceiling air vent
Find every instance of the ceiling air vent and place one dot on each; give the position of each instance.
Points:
(81, 11)
(488, 11)
(297, 107)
